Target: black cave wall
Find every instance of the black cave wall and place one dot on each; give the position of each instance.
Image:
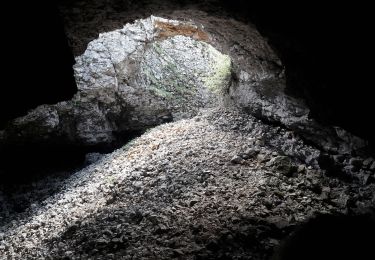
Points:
(36, 69)
(37, 60)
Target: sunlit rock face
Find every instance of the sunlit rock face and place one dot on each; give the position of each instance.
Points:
(153, 70)
(185, 74)
(146, 73)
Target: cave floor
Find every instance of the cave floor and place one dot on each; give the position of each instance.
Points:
(202, 188)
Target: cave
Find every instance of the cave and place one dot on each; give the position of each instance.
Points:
(186, 129)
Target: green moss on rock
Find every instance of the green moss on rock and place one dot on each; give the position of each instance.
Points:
(218, 80)
(185, 73)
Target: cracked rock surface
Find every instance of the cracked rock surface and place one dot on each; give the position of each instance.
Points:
(149, 72)
(157, 70)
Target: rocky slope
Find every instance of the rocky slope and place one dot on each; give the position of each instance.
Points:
(221, 184)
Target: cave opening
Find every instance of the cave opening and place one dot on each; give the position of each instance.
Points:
(186, 129)
(173, 74)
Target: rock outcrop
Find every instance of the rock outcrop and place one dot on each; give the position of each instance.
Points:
(157, 70)
(149, 72)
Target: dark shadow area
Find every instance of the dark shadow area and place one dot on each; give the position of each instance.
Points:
(30, 174)
(37, 60)
(330, 237)
(326, 51)
(30, 162)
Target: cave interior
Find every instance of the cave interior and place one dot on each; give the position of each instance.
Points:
(324, 51)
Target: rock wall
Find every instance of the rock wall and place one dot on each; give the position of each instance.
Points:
(37, 60)
(156, 70)
(131, 79)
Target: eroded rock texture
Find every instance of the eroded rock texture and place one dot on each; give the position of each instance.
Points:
(156, 70)
(149, 72)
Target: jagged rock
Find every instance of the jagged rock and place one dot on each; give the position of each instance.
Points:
(92, 157)
(236, 159)
(249, 153)
(282, 164)
(301, 168)
(368, 162)
(156, 70)
(148, 72)
(262, 158)
(175, 184)
(325, 193)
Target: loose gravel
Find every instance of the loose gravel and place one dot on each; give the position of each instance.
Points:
(211, 187)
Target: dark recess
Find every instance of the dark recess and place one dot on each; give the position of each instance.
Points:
(37, 60)
(32, 162)
(330, 237)
(325, 50)
(327, 53)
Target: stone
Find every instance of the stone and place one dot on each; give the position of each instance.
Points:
(367, 179)
(193, 202)
(281, 164)
(173, 207)
(351, 168)
(236, 159)
(249, 153)
(301, 168)
(325, 193)
(90, 158)
(278, 221)
(260, 142)
(261, 157)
